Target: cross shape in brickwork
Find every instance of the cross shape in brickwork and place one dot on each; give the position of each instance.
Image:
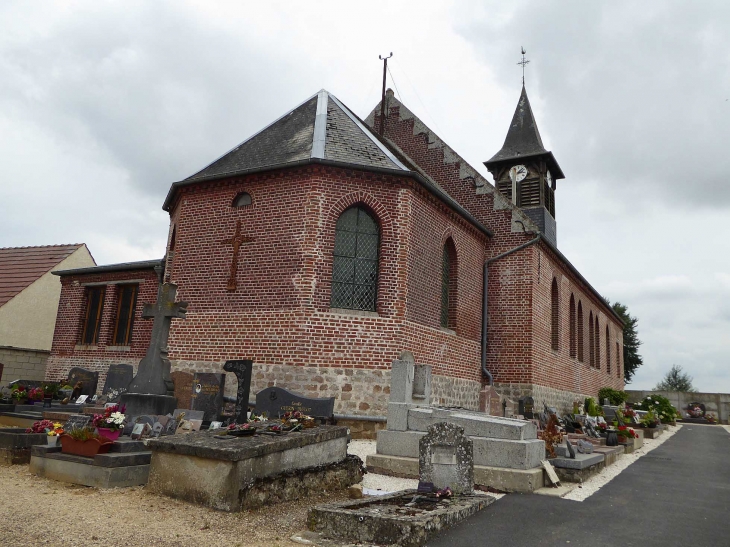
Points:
(237, 240)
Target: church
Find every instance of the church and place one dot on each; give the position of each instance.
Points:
(325, 246)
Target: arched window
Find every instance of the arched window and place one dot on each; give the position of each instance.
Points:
(608, 351)
(591, 341)
(355, 264)
(555, 315)
(241, 200)
(573, 348)
(448, 285)
(618, 360)
(597, 344)
(580, 332)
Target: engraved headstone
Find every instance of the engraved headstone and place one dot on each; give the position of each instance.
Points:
(275, 401)
(89, 379)
(208, 394)
(117, 380)
(527, 407)
(77, 421)
(183, 382)
(242, 369)
(446, 458)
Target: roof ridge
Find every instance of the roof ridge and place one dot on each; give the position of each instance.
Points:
(43, 246)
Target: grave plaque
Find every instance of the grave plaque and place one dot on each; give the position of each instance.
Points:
(490, 401)
(242, 369)
(187, 414)
(445, 458)
(527, 407)
(183, 382)
(275, 401)
(89, 379)
(157, 430)
(76, 422)
(117, 379)
(208, 394)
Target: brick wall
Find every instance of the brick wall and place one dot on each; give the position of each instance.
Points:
(22, 364)
(67, 352)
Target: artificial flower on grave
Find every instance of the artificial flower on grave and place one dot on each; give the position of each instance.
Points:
(41, 426)
(19, 393)
(710, 417)
(112, 419)
(240, 427)
(57, 430)
(36, 394)
(297, 417)
(624, 431)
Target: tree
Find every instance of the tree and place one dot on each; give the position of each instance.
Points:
(632, 359)
(676, 380)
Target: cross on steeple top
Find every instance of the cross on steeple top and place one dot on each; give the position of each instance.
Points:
(524, 62)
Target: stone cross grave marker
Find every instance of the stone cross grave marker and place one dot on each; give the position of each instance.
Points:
(90, 380)
(117, 379)
(236, 241)
(242, 369)
(208, 394)
(446, 458)
(153, 373)
(275, 401)
(527, 407)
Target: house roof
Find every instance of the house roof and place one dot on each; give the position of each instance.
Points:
(320, 130)
(122, 267)
(523, 138)
(20, 267)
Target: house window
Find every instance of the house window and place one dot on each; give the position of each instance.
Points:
(126, 302)
(242, 200)
(580, 332)
(355, 265)
(591, 341)
(448, 285)
(608, 351)
(597, 334)
(573, 346)
(92, 315)
(555, 315)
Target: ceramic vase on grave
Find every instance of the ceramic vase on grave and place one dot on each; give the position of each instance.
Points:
(611, 438)
(111, 434)
(89, 448)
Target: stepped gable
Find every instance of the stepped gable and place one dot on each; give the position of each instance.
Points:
(22, 266)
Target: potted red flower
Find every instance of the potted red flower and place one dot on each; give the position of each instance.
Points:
(111, 423)
(35, 395)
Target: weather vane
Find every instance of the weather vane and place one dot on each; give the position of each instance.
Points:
(523, 62)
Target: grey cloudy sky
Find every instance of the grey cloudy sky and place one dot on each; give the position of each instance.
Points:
(104, 104)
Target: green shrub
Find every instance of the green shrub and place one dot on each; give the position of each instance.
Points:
(614, 396)
(591, 408)
(660, 406)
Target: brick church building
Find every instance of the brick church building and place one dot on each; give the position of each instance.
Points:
(325, 246)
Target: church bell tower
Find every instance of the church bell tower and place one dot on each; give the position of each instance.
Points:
(525, 172)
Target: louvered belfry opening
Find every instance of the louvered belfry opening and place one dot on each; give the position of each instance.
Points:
(448, 285)
(355, 264)
(573, 346)
(555, 315)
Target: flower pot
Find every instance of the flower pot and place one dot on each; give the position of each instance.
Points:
(89, 448)
(110, 434)
(52, 440)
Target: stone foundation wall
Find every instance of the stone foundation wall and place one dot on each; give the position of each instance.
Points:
(447, 391)
(22, 364)
(562, 400)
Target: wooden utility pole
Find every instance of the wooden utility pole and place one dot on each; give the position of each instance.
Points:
(382, 99)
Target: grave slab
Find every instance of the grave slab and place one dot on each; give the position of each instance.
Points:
(383, 521)
(15, 445)
(231, 474)
(475, 424)
(652, 433)
(579, 469)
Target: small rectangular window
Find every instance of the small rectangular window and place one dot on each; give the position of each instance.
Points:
(92, 317)
(126, 302)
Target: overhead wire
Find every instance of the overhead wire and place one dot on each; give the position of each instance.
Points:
(413, 87)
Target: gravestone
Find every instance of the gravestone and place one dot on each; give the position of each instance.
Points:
(89, 379)
(187, 414)
(183, 382)
(410, 383)
(151, 390)
(571, 451)
(275, 401)
(609, 412)
(78, 421)
(242, 369)
(490, 401)
(117, 380)
(208, 394)
(446, 458)
(527, 407)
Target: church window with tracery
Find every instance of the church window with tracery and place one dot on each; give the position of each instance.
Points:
(355, 264)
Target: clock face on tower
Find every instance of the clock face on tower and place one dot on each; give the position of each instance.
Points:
(518, 173)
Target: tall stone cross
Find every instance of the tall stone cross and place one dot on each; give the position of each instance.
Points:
(237, 240)
(153, 374)
(242, 369)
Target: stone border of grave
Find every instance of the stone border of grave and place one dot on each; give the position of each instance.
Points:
(15, 445)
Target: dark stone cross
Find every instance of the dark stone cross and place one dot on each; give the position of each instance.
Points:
(153, 374)
(237, 240)
(242, 370)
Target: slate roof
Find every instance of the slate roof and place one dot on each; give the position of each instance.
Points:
(523, 138)
(300, 135)
(20, 267)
